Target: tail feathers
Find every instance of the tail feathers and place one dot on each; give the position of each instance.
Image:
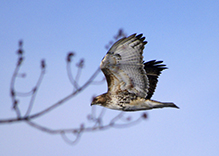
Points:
(157, 104)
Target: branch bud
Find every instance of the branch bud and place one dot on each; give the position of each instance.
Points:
(69, 56)
(144, 116)
(43, 64)
(20, 44)
(81, 63)
(20, 61)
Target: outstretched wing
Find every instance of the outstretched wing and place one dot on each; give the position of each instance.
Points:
(123, 66)
(153, 69)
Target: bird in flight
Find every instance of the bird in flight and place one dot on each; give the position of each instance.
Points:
(131, 82)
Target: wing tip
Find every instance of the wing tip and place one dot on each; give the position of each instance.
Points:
(141, 38)
(157, 64)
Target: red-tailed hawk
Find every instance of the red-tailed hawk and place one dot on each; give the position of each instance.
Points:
(131, 82)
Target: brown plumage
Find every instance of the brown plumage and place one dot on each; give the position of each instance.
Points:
(131, 82)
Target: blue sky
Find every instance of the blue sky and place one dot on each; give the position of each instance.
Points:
(182, 33)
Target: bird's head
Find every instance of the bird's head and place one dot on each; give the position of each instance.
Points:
(99, 100)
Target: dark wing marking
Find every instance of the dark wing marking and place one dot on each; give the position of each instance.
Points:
(153, 69)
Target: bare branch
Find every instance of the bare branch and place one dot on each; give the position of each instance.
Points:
(80, 65)
(65, 99)
(15, 73)
(96, 120)
(60, 102)
(99, 82)
(97, 126)
(36, 89)
(69, 70)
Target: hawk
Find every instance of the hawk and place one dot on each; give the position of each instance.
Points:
(131, 82)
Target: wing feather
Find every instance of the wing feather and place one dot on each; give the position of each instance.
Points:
(153, 69)
(123, 66)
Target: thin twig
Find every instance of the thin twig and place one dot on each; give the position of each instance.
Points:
(67, 97)
(99, 82)
(77, 132)
(35, 92)
(13, 94)
(60, 102)
(80, 65)
(25, 94)
(78, 74)
(70, 76)
(66, 139)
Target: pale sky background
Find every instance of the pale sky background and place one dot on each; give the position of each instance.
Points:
(183, 33)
